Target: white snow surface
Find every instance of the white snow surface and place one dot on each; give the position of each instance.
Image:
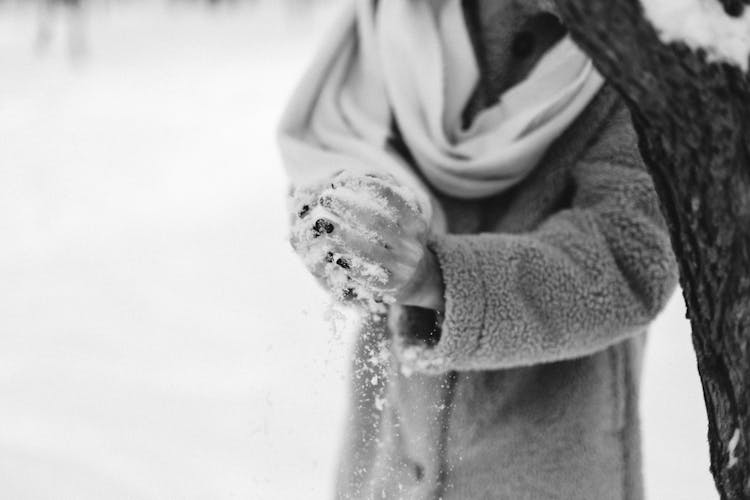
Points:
(702, 24)
(158, 338)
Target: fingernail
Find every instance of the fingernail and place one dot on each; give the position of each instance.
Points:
(323, 225)
(303, 211)
(329, 257)
(343, 262)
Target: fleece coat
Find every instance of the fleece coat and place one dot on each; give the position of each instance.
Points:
(526, 387)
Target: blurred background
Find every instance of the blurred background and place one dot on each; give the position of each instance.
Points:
(158, 338)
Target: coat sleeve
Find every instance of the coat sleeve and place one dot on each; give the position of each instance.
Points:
(587, 277)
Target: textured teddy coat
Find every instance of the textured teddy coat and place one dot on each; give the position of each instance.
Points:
(527, 387)
(531, 389)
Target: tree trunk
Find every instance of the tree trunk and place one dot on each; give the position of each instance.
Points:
(693, 124)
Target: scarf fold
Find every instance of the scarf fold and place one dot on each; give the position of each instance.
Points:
(413, 62)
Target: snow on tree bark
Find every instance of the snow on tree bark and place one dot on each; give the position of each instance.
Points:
(693, 122)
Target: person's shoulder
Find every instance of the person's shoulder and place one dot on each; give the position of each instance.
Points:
(605, 116)
(605, 130)
(607, 106)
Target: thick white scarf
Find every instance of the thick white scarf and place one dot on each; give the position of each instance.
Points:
(412, 60)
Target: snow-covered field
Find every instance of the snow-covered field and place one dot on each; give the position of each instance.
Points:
(158, 339)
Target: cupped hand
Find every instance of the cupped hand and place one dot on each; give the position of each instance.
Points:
(365, 236)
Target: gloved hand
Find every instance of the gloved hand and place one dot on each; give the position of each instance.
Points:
(364, 237)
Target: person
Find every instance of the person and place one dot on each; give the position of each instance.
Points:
(462, 171)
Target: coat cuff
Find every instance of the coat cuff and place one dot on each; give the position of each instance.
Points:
(463, 320)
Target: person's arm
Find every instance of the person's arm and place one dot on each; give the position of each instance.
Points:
(587, 277)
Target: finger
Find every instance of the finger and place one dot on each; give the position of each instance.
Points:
(338, 250)
(373, 275)
(409, 215)
(375, 209)
(330, 241)
(301, 201)
(395, 194)
(301, 236)
(305, 231)
(332, 260)
(397, 256)
(367, 246)
(344, 268)
(368, 259)
(339, 263)
(327, 225)
(352, 199)
(376, 279)
(349, 292)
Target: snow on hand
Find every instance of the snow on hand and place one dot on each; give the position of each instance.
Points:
(360, 200)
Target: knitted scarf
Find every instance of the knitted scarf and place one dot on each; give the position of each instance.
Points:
(412, 62)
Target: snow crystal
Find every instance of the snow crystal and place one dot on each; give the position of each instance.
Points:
(379, 403)
(339, 319)
(409, 354)
(375, 186)
(373, 202)
(409, 196)
(733, 447)
(370, 270)
(702, 24)
(412, 358)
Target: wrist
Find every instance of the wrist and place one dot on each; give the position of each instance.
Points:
(427, 289)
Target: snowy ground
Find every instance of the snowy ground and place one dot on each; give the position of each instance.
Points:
(158, 339)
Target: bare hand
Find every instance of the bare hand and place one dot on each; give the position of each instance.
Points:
(363, 236)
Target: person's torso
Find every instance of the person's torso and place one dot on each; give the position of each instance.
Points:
(553, 431)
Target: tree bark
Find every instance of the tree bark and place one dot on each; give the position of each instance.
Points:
(693, 124)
